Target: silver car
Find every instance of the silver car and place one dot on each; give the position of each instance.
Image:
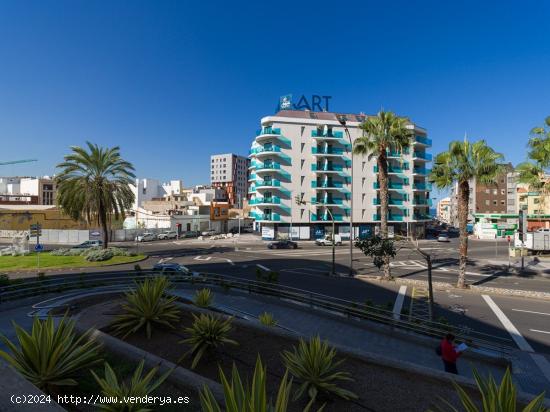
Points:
(146, 237)
(168, 235)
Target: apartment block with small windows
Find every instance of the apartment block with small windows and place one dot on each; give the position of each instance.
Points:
(300, 179)
(230, 172)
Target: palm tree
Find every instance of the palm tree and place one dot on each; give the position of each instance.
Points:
(465, 161)
(94, 184)
(383, 133)
(532, 172)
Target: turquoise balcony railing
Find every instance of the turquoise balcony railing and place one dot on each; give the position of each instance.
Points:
(335, 135)
(422, 155)
(268, 130)
(397, 153)
(252, 177)
(327, 201)
(422, 171)
(393, 169)
(392, 202)
(422, 202)
(273, 200)
(267, 183)
(251, 189)
(327, 150)
(422, 186)
(391, 185)
(327, 168)
(327, 185)
(326, 218)
(268, 217)
(423, 140)
(391, 218)
(266, 149)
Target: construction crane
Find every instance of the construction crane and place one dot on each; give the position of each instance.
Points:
(12, 162)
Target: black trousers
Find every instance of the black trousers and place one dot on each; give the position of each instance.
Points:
(450, 367)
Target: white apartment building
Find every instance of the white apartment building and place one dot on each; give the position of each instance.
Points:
(230, 171)
(307, 155)
(444, 210)
(148, 189)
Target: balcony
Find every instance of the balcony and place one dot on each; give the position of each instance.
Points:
(251, 189)
(422, 186)
(273, 200)
(327, 151)
(391, 202)
(391, 218)
(327, 135)
(326, 218)
(391, 186)
(393, 169)
(421, 171)
(422, 155)
(338, 169)
(339, 186)
(265, 217)
(397, 153)
(268, 130)
(268, 133)
(262, 184)
(327, 201)
(266, 149)
(422, 202)
(423, 140)
(252, 177)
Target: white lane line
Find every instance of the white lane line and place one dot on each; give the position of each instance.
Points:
(399, 300)
(229, 261)
(539, 331)
(262, 267)
(530, 311)
(510, 328)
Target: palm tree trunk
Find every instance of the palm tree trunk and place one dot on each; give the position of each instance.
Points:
(104, 225)
(463, 199)
(383, 178)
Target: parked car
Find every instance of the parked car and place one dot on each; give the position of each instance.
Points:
(191, 233)
(443, 237)
(282, 244)
(89, 244)
(327, 240)
(171, 234)
(209, 233)
(146, 237)
(170, 268)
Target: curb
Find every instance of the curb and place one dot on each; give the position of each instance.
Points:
(473, 288)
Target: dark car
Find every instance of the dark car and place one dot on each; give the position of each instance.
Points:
(282, 244)
(89, 244)
(169, 268)
(190, 233)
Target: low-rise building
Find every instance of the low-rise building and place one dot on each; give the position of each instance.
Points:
(444, 210)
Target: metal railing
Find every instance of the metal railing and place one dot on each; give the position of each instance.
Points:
(495, 344)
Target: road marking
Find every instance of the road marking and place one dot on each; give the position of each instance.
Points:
(510, 328)
(530, 311)
(399, 300)
(539, 331)
(229, 261)
(262, 267)
(202, 258)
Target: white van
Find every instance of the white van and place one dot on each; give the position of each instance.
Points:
(327, 240)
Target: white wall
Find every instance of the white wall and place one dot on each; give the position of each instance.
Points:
(29, 186)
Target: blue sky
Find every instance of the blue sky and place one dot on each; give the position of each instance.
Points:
(173, 81)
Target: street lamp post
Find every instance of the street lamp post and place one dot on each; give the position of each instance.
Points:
(342, 119)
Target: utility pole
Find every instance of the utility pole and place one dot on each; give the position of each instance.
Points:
(430, 285)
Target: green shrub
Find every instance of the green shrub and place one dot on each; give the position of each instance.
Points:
(138, 386)
(249, 398)
(50, 356)
(203, 298)
(99, 255)
(267, 319)
(501, 398)
(66, 252)
(137, 267)
(207, 333)
(117, 251)
(313, 363)
(147, 306)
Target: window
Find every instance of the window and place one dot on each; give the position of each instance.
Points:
(502, 191)
(502, 202)
(495, 192)
(536, 200)
(487, 203)
(487, 191)
(494, 202)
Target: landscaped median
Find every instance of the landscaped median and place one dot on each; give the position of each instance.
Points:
(68, 258)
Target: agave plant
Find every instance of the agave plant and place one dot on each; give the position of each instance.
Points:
(313, 363)
(250, 398)
(146, 306)
(51, 356)
(267, 319)
(494, 397)
(203, 298)
(207, 332)
(138, 386)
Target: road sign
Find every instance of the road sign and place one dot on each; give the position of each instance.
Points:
(38, 247)
(36, 230)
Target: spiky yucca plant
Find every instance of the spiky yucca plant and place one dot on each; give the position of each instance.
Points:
(138, 386)
(313, 363)
(249, 398)
(267, 319)
(51, 356)
(203, 298)
(494, 397)
(146, 306)
(207, 332)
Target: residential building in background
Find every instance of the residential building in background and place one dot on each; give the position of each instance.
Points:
(148, 189)
(307, 155)
(27, 190)
(444, 210)
(230, 172)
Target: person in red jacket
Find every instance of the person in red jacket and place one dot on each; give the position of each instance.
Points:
(449, 354)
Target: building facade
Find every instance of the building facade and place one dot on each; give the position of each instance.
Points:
(444, 210)
(147, 189)
(230, 172)
(301, 179)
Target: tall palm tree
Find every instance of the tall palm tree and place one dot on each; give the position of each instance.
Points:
(465, 161)
(94, 184)
(383, 133)
(532, 172)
